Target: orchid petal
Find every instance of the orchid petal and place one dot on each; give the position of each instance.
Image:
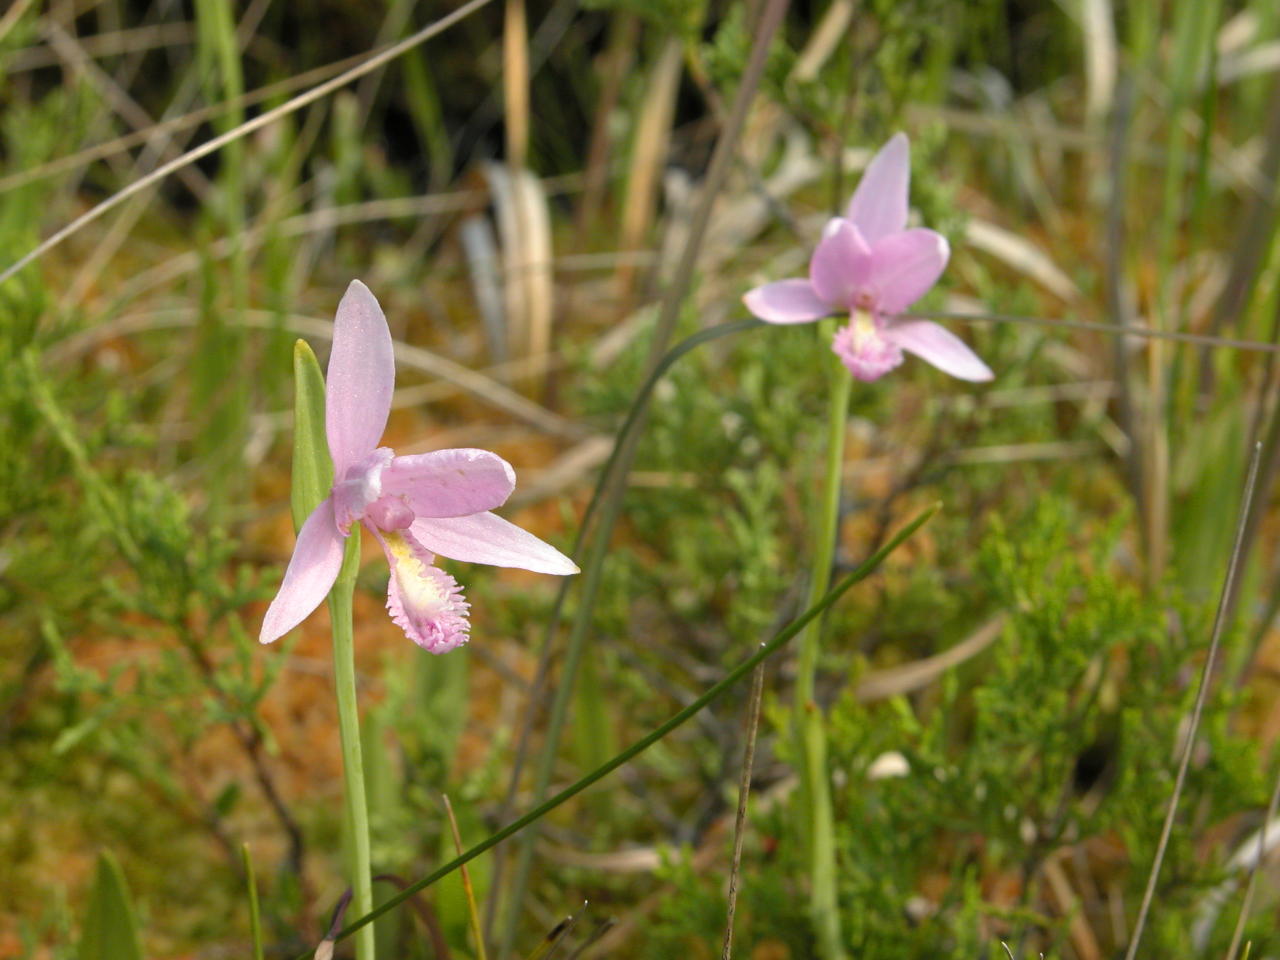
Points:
(424, 601)
(939, 346)
(905, 266)
(359, 487)
(864, 348)
(487, 538)
(313, 568)
(450, 483)
(841, 264)
(361, 376)
(879, 205)
(787, 301)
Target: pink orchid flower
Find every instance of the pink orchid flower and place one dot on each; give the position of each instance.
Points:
(869, 265)
(415, 506)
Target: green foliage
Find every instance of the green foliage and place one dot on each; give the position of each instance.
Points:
(1059, 735)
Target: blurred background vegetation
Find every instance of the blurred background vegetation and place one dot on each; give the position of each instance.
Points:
(1004, 700)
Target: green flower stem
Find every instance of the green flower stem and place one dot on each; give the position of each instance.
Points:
(864, 570)
(815, 794)
(344, 678)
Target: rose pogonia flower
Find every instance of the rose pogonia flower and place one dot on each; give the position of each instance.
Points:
(869, 265)
(415, 506)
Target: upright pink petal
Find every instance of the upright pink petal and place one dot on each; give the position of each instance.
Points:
(841, 263)
(940, 347)
(905, 266)
(312, 570)
(487, 538)
(787, 301)
(450, 483)
(362, 373)
(879, 205)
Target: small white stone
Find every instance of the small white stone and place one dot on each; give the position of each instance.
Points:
(888, 766)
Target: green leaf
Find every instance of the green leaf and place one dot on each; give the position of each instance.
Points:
(110, 930)
(593, 732)
(452, 906)
(440, 706)
(312, 468)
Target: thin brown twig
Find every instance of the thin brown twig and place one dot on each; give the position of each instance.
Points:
(1224, 601)
(1094, 326)
(467, 890)
(110, 44)
(744, 792)
(250, 740)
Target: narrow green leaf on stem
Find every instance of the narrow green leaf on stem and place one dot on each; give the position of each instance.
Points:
(864, 570)
(255, 913)
(110, 929)
(312, 468)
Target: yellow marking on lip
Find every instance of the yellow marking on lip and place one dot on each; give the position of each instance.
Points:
(863, 327)
(419, 591)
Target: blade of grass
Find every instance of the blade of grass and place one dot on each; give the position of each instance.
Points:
(618, 57)
(1228, 588)
(393, 24)
(220, 344)
(255, 913)
(1194, 33)
(1257, 232)
(1117, 302)
(649, 152)
(427, 112)
(860, 573)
